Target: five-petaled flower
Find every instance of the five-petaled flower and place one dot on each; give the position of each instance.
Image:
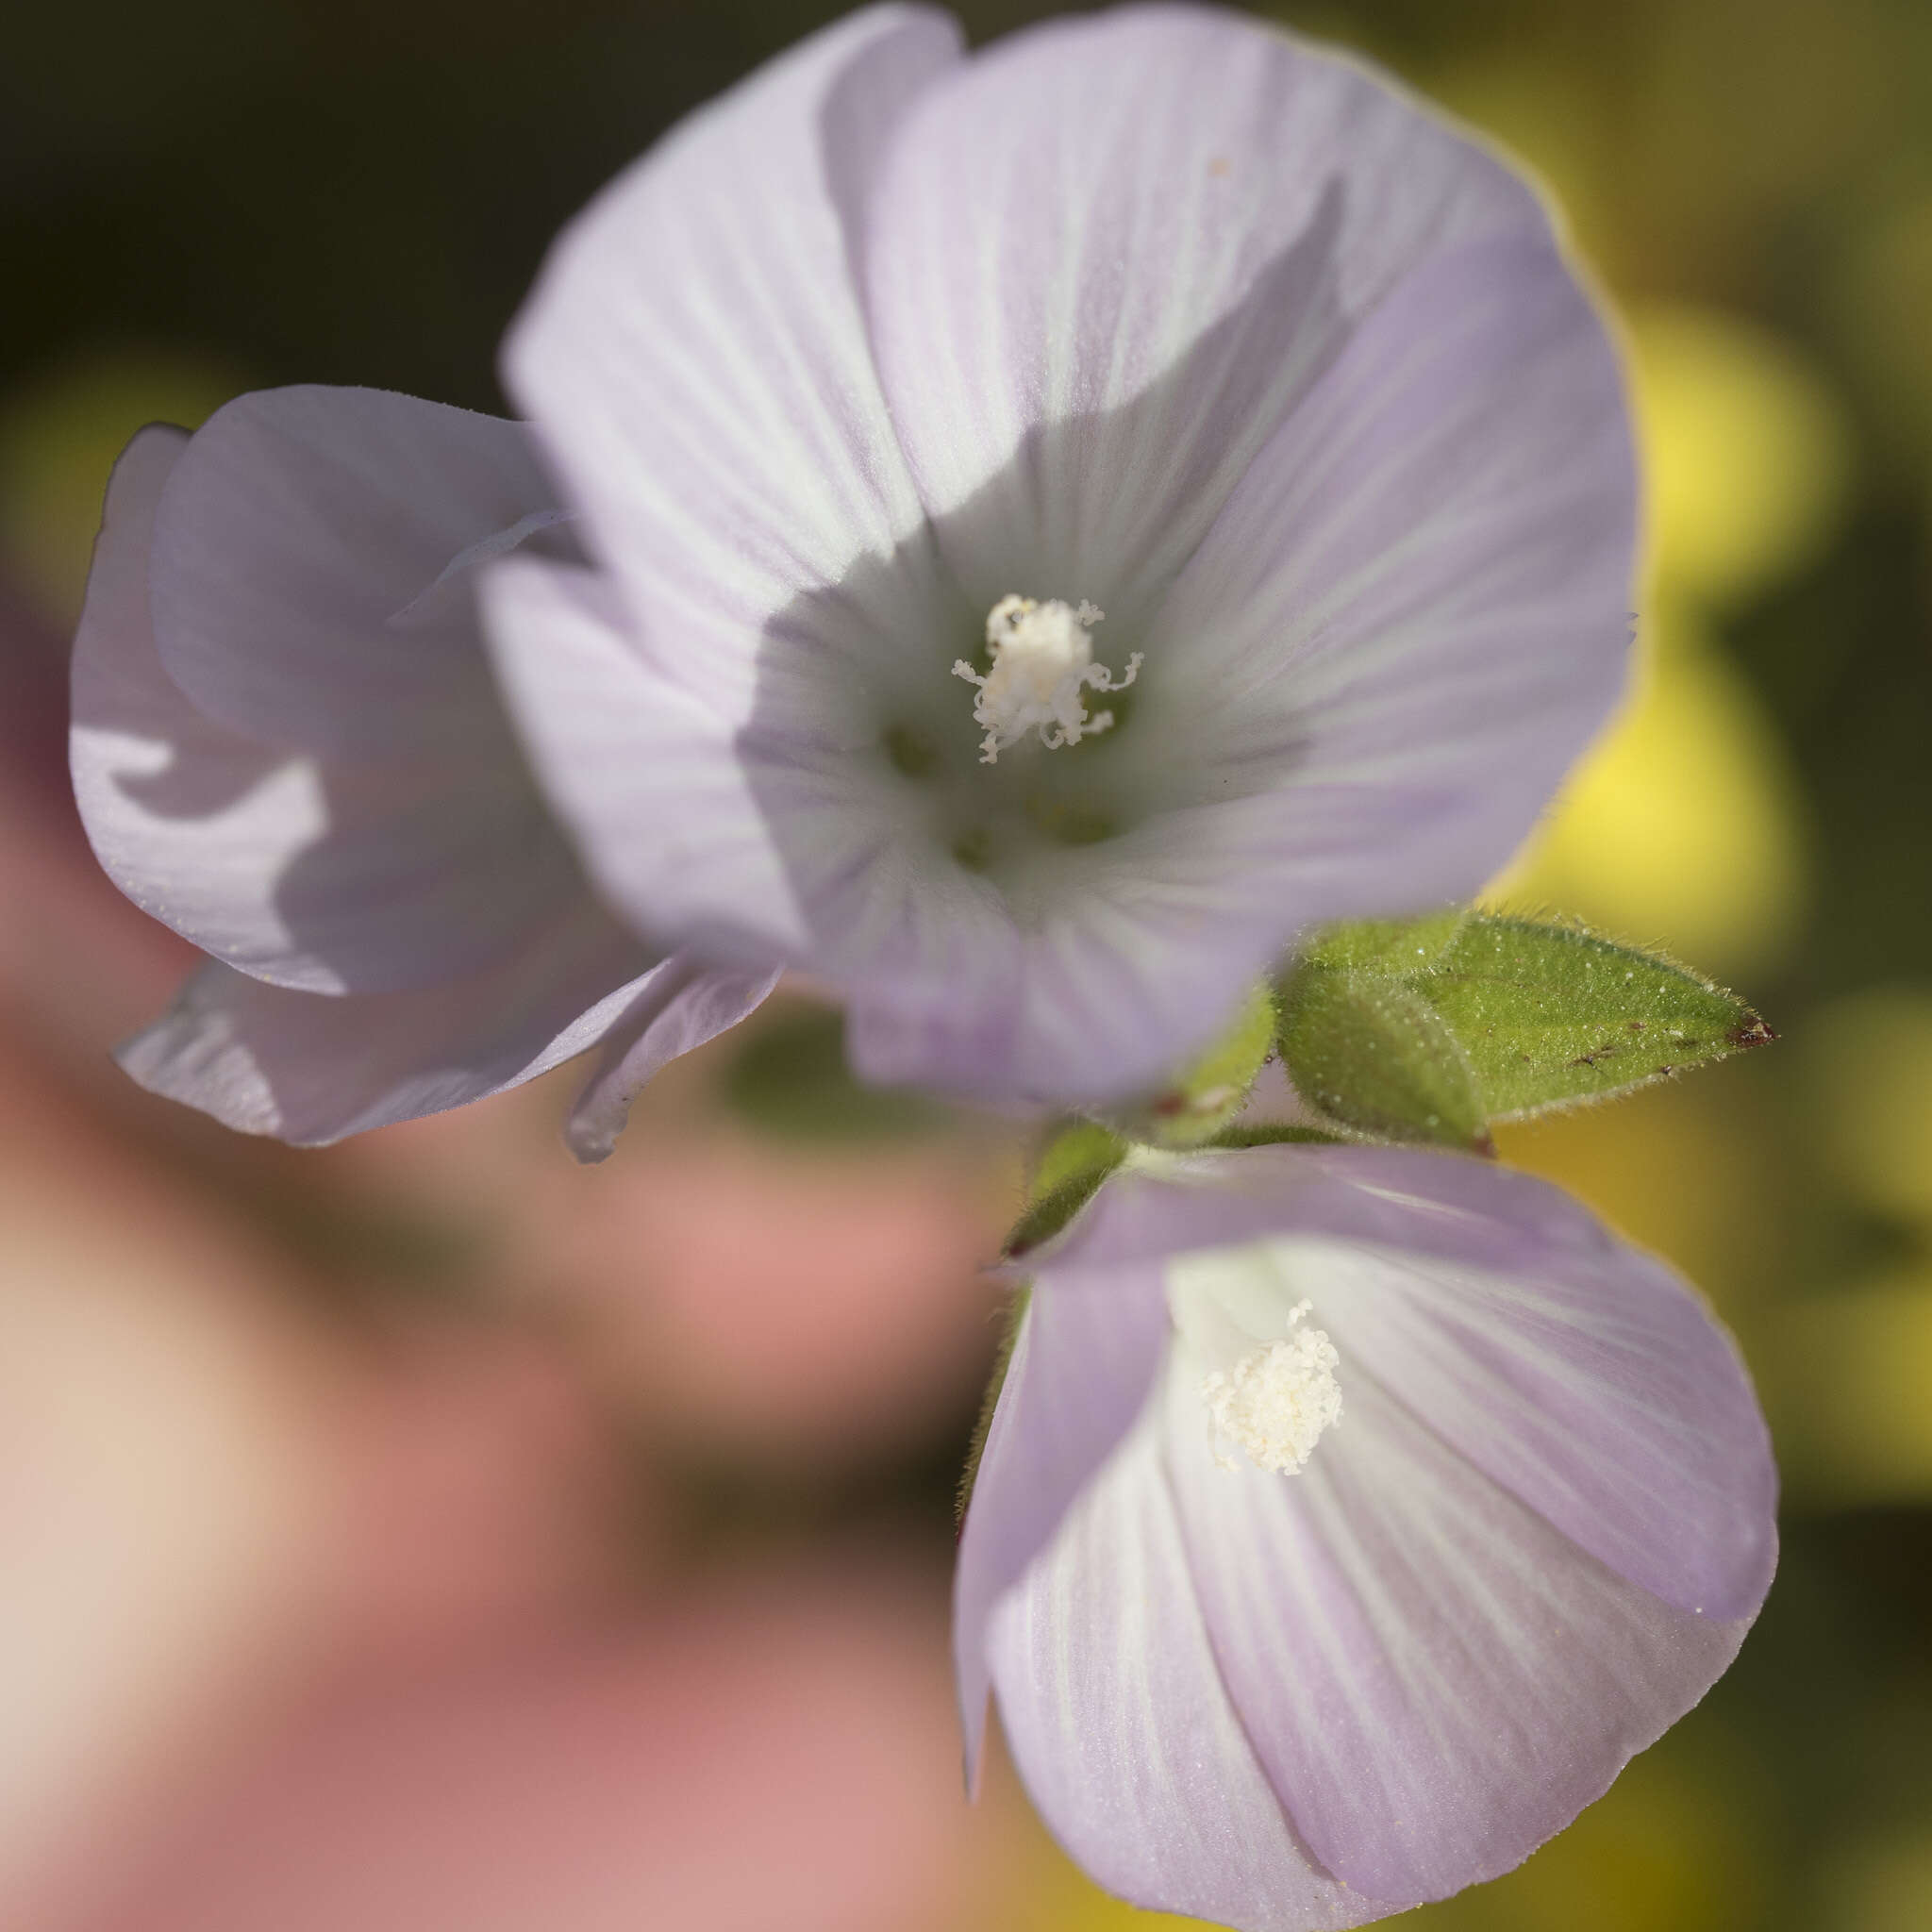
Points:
(1160, 313)
(1495, 1509)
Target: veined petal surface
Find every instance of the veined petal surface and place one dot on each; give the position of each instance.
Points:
(292, 551)
(1579, 1373)
(1116, 1713)
(1436, 1680)
(1108, 254)
(1412, 612)
(646, 775)
(675, 1007)
(698, 363)
(1604, 1397)
(310, 1068)
(1101, 996)
(1082, 1367)
(317, 871)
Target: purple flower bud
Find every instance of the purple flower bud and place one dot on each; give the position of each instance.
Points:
(287, 746)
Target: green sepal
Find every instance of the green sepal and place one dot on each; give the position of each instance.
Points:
(1419, 1029)
(1369, 1051)
(1003, 1360)
(1078, 1149)
(1554, 1016)
(1271, 1134)
(1199, 1102)
(1066, 1176)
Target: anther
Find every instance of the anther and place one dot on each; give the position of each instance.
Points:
(1278, 1399)
(1042, 664)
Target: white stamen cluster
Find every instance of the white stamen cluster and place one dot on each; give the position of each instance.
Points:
(1042, 659)
(1277, 1400)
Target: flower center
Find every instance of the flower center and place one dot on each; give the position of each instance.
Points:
(1276, 1401)
(1042, 662)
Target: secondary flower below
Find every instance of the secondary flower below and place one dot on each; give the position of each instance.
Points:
(1348, 1518)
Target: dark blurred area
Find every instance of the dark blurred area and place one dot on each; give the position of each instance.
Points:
(427, 1533)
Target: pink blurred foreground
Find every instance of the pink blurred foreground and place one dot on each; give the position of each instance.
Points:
(337, 1602)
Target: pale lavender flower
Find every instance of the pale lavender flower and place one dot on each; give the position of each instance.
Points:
(1348, 1518)
(1061, 521)
(287, 744)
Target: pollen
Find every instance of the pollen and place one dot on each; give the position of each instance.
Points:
(1042, 666)
(1278, 1399)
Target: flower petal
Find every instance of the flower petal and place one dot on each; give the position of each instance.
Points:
(1081, 1368)
(1388, 697)
(131, 722)
(677, 1007)
(792, 837)
(1107, 255)
(1104, 999)
(1602, 1395)
(1435, 1204)
(292, 548)
(1578, 1372)
(647, 776)
(317, 873)
(1435, 1678)
(696, 359)
(312, 1069)
(1123, 1729)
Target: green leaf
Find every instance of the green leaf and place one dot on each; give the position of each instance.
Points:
(1553, 1015)
(1372, 1054)
(1271, 1134)
(1391, 946)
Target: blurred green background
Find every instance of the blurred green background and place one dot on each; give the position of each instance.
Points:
(223, 195)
